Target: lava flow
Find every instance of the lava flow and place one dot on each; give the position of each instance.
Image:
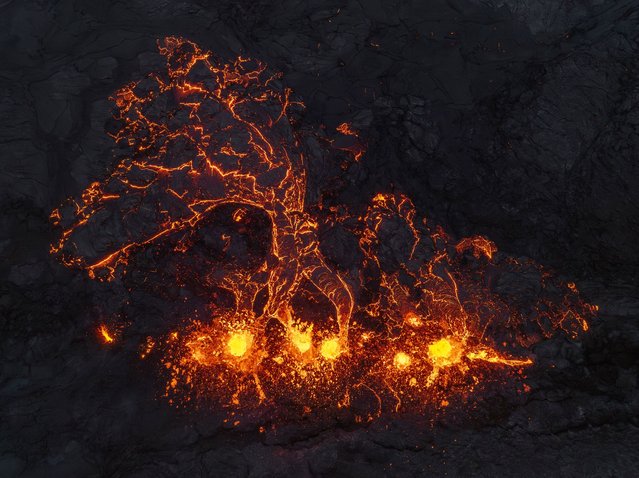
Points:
(211, 180)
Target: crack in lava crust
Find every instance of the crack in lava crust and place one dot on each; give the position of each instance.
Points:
(418, 326)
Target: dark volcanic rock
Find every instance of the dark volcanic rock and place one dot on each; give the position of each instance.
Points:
(517, 119)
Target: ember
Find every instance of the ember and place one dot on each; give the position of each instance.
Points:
(411, 325)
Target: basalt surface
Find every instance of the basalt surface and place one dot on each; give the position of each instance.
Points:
(515, 120)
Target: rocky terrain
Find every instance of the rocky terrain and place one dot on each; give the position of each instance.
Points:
(514, 119)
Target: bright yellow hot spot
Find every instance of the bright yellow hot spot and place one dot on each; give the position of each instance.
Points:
(107, 338)
(239, 343)
(330, 348)
(414, 320)
(440, 349)
(401, 360)
(301, 338)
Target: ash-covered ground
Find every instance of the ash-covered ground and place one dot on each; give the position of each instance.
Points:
(512, 119)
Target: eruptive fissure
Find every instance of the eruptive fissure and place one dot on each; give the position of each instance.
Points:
(413, 327)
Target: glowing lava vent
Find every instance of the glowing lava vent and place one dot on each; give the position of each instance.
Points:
(211, 175)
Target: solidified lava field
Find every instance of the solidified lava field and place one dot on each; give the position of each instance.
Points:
(319, 238)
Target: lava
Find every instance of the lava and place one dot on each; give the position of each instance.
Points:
(401, 360)
(301, 338)
(238, 343)
(330, 349)
(443, 352)
(105, 334)
(424, 320)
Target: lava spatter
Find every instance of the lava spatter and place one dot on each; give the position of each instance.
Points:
(425, 320)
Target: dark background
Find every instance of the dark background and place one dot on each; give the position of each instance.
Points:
(516, 119)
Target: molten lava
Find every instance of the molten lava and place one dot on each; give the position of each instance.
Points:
(443, 352)
(416, 326)
(401, 360)
(301, 338)
(105, 334)
(238, 343)
(330, 349)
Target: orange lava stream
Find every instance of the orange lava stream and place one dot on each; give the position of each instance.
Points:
(206, 134)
